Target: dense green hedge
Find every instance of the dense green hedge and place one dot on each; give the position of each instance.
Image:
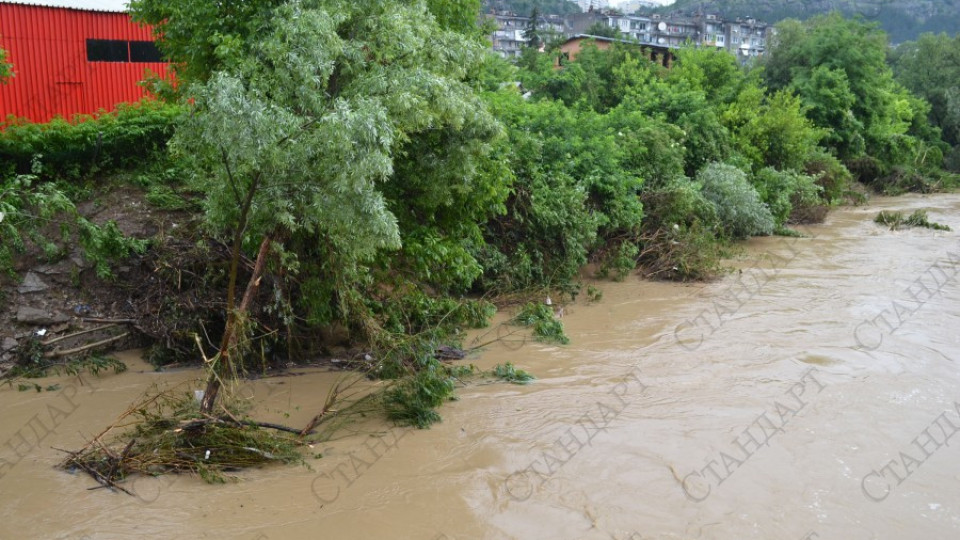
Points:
(127, 137)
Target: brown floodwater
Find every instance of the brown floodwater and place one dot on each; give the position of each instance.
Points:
(811, 393)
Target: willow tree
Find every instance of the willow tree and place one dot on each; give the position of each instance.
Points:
(298, 124)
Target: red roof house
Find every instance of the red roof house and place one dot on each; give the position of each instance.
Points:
(71, 60)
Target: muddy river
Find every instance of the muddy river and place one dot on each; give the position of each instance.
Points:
(811, 394)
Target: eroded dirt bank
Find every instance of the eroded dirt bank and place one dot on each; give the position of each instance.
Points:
(809, 395)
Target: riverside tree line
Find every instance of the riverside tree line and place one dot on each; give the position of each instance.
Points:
(373, 167)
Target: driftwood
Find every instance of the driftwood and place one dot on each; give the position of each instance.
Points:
(51, 341)
(193, 424)
(84, 348)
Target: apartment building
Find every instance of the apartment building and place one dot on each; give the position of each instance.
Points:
(745, 38)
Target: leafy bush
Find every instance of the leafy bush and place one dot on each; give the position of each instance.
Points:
(739, 208)
(105, 243)
(26, 208)
(830, 173)
(31, 210)
(511, 374)
(546, 327)
(127, 137)
(781, 191)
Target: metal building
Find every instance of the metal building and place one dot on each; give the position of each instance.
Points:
(72, 57)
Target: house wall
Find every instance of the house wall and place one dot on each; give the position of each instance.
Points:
(52, 74)
(572, 47)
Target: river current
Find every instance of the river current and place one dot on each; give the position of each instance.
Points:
(812, 393)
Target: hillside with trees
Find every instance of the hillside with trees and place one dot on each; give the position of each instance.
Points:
(903, 20)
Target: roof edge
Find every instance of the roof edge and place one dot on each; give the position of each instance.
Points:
(55, 5)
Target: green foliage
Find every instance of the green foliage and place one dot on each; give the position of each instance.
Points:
(511, 374)
(739, 208)
(169, 435)
(896, 220)
(714, 72)
(601, 29)
(105, 243)
(6, 68)
(43, 214)
(319, 88)
(546, 327)
(838, 68)
(681, 238)
(832, 176)
(28, 209)
(771, 131)
(413, 400)
(128, 137)
(167, 198)
(782, 191)
(594, 294)
(930, 68)
(457, 15)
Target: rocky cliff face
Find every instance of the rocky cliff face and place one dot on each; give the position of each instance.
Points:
(904, 20)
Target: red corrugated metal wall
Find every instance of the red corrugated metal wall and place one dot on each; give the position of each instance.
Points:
(47, 47)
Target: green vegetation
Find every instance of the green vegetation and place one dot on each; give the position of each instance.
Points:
(511, 374)
(602, 29)
(30, 210)
(540, 317)
(930, 68)
(6, 68)
(368, 170)
(86, 145)
(918, 218)
(169, 434)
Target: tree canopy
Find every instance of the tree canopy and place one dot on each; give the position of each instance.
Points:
(838, 68)
(930, 68)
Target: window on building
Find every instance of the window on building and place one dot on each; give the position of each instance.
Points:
(144, 51)
(107, 50)
(118, 50)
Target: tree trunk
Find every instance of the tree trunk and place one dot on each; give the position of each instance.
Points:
(230, 332)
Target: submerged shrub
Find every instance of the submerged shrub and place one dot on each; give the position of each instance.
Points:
(680, 233)
(546, 327)
(739, 208)
(413, 400)
(918, 218)
(508, 372)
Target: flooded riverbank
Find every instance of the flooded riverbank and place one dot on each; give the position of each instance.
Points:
(810, 394)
